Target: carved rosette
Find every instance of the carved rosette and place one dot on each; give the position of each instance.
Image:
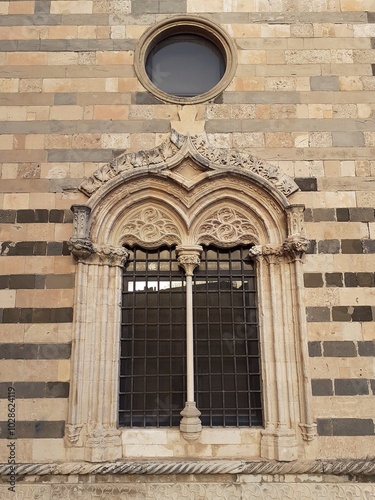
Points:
(226, 227)
(151, 226)
(178, 147)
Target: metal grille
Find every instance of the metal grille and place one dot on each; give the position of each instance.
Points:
(153, 340)
(227, 371)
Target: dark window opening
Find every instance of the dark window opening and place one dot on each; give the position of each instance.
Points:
(153, 340)
(185, 65)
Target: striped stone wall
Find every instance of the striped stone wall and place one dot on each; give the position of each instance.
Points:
(303, 99)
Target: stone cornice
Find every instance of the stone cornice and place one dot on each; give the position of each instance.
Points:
(175, 149)
(336, 467)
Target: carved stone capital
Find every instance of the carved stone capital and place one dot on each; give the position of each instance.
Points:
(99, 255)
(272, 254)
(309, 431)
(73, 433)
(295, 247)
(189, 257)
(106, 255)
(81, 248)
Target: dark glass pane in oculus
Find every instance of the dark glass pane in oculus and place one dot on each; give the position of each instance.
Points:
(185, 65)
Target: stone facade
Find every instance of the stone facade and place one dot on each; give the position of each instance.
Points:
(287, 149)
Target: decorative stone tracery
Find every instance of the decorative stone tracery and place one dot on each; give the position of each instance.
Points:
(185, 193)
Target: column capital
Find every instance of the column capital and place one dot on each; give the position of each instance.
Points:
(100, 255)
(188, 257)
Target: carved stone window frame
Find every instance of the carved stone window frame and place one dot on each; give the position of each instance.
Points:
(188, 184)
(181, 25)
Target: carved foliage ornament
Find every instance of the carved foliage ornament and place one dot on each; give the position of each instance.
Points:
(226, 226)
(178, 147)
(151, 226)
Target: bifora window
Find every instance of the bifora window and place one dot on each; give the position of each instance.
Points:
(185, 60)
(153, 340)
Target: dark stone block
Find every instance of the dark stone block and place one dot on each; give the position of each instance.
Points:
(351, 246)
(22, 281)
(362, 214)
(62, 315)
(321, 387)
(145, 98)
(362, 313)
(54, 248)
(40, 248)
(65, 99)
(40, 281)
(30, 390)
(368, 246)
(312, 247)
(366, 279)
(57, 389)
(24, 248)
(351, 387)
(342, 214)
(41, 216)
(334, 279)
(313, 280)
(26, 315)
(4, 282)
(324, 427)
(56, 216)
(65, 248)
(19, 351)
(329, 246)
(41, 315)
(307, 183)
(308, 215)
(366, 348)
(54, 351)
(324, 214)
(42, 6)
(68, 216)
(339, 349)
(373, 69)
(315, 349)
(372, 384)
(7, 216)
(8, 248)
(35, 429)
(11, 315)
(350, 280)
(352, 427)
(318, 314)
(25, 216)
(36, 390)
(341, 313)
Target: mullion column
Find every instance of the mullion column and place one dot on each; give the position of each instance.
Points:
(190, 425)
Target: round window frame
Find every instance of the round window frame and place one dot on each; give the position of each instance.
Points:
(181, 25)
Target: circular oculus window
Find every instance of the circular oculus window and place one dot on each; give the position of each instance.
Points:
(185, 60)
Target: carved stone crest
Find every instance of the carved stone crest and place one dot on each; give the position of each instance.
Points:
(175, 149)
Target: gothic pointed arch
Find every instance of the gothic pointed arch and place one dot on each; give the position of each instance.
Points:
(186, 193)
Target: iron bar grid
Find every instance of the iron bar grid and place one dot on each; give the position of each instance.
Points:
(153, 340)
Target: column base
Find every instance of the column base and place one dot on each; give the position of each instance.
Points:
(190, 425)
